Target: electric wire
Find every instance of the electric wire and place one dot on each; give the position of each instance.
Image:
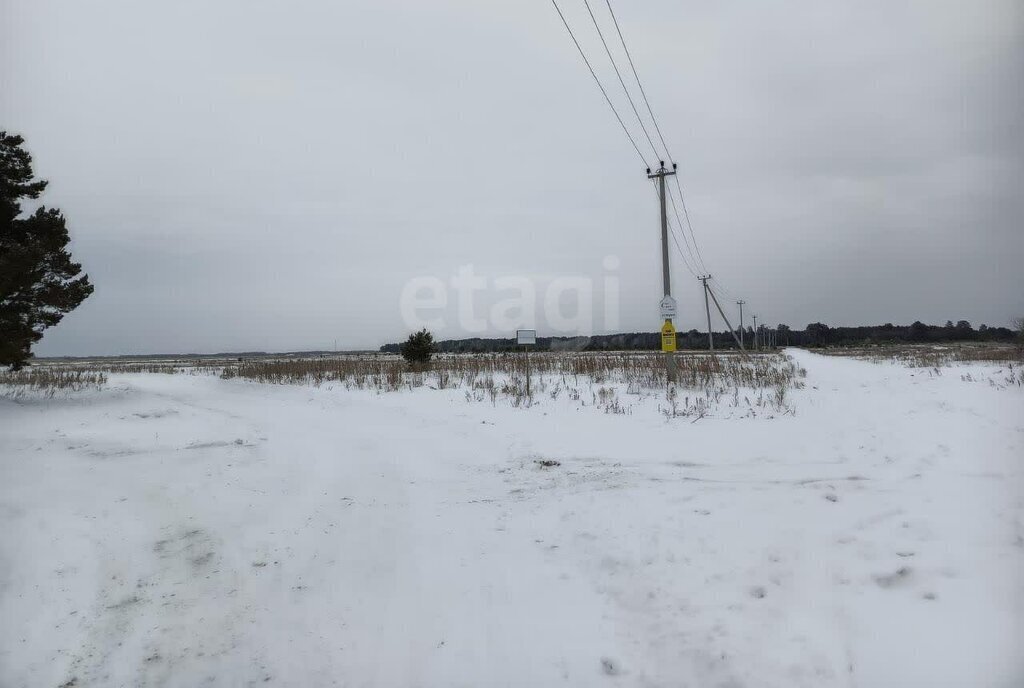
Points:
(599, 84)
(637, 77)
(675, 240)
(683, 225)
(686, 214)
(682, 231)
(657, 128)
(622, 82)
(721, 290)
(728, 294)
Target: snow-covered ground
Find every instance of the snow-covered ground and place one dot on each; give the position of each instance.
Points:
(176, 530)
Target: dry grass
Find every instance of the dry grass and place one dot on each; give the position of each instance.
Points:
(935, 356)
(613, 382)
(1006, 361)
(466, 370)
(590, 379)
(166, 366)
(48, 381)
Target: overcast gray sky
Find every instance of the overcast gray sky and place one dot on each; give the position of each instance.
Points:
(246, 174)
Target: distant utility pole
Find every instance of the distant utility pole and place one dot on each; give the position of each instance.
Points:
(707, 308)
(740, 304)
(755, 333)
(668, 304)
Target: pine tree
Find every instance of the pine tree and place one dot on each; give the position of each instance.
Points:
(39, 283)
(418, 348)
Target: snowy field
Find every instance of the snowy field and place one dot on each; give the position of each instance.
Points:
(187, 530)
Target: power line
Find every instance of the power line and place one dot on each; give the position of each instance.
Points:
(682, 230)
(598, 81)
(675, 240)
(696, 258)
(637, 77)
(729, 294)
(608, 52)
(682, 199)
(725, 291)
(686, 214)
(722, 288)
(685, 262)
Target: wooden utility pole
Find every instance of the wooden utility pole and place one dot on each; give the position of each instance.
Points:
(660, 174)
(707, 308)
(755, 333)
(740, 304)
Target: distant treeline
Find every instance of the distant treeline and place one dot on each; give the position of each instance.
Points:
(814, 335)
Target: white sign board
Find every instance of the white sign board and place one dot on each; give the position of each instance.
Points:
(668, 307)
(526, 336)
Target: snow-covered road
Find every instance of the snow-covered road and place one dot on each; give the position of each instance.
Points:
(180, 530)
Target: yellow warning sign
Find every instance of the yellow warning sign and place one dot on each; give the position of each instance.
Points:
(668, 337)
